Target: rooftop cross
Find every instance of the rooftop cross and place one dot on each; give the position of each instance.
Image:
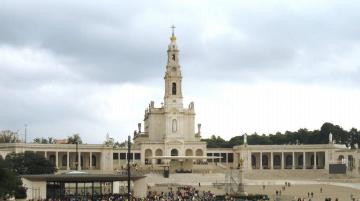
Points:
(173, 29)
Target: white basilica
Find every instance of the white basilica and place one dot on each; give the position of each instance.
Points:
(169, 131)
(168, 139)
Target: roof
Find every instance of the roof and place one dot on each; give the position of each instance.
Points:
(80, 177)
(184, 157)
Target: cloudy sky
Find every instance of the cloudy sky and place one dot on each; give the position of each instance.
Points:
(92, 67)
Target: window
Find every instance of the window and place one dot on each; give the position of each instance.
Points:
(115, 156)
(122, 156)
(137, 156)
(174, 125)
(173, 57)
(173, 88)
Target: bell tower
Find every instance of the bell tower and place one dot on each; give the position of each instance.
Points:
(173, 90)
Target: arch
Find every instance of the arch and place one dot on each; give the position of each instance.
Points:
(93, 160)
(64, 160)
(174, 152)
(265, 161)
(52, 159)
(300, 160)
(148, 153)
(341, 158)
(189, 152)
(288, 161)
(173, 88)
(174, 125)
(199, 152)
(277, 160)
(173, 56)
(158, 152)
(253, 161)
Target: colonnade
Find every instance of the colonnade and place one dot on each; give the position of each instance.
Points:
(287, 160)
(67, 160)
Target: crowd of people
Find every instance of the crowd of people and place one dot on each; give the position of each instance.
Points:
(184, 193)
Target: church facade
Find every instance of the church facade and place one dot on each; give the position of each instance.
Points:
(168, 134)
(169, 131)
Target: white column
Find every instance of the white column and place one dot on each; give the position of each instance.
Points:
(56, 160)
(315, 160)
(68, 161)
(327, 158)
(282, 161)
(304, 160)
(293, 160)
(118, 160)
(261, 166)
(45, 155)
(272, 160)
(79, 160)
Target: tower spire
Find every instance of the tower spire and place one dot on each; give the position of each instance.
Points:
(173, 92)
(173, 37)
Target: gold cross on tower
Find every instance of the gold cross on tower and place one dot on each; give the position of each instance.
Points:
(173, 38)
(173, 29)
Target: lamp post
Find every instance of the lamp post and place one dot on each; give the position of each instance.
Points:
(128, 166)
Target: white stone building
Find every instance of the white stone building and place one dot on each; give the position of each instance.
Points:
(168, 134)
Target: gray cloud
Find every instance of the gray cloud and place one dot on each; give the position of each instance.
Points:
(78, 46)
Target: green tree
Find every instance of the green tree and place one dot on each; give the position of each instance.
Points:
(49, 140)
(302, 136)
(10, 183)
(29, 163)
(8, 136)
(74, 139)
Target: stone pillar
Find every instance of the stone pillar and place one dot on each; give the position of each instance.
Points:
(282, 161)
(327, 158)
(56, 159)
(304, 160)
(293, 160)
(90, 159)
(79, 161)
(68, 160)
(118, 160)
(272, 160)
(261, 166)
(45, 154)
(315, 160)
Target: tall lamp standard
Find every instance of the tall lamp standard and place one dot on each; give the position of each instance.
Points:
(77, 155)
(128, 166)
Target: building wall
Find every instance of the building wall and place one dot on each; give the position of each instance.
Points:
(36, 190)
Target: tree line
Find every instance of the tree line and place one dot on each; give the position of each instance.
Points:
(16, 164)
(302, 136)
